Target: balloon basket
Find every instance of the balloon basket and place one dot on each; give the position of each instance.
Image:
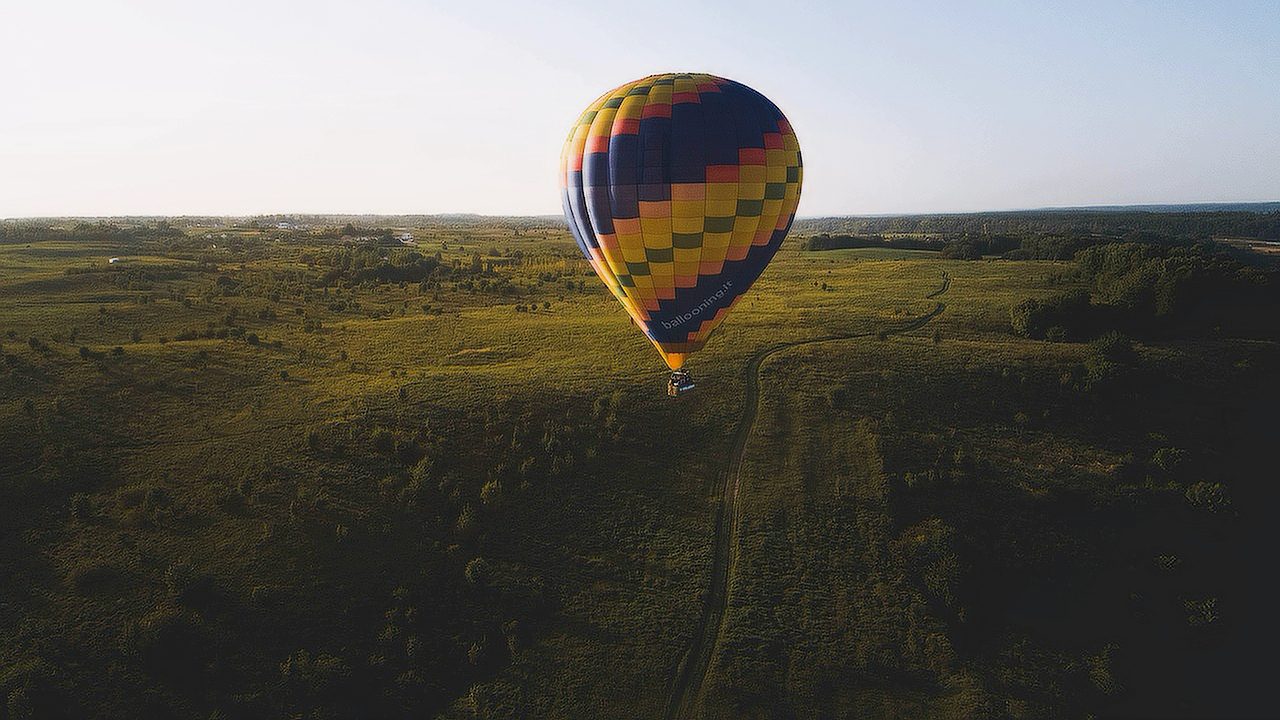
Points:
(679, 383)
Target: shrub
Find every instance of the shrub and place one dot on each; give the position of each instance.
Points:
(81, 507)
(383, 441)
(478, 571)
(930, 549)
(1108, 361)
(1201, 612)
(1168, 459)
(837, 397)
(86, 579)
(1209, 497)
(466, 518)
(312, 675)
(166, 640)
(19, 705)
(1102, 673)
(491, 492)
(1114, 346)
(1034, 317)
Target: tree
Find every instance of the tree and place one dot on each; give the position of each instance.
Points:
(1034, 317)
(965, 249)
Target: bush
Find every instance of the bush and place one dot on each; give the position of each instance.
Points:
(1168, 459)
(1069, 313)
(1201, 612)
(837, 398)
(92, 578)
(1208, 497)
(313, 675)
(466, 519)
(81, 507)
(478, 571)
(167, 641)
(186, 586)
(1102, 671)
(19, 705)
(1108, 361)
(491, 492)
(1114, 346)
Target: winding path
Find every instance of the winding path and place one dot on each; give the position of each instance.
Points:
(688, 681)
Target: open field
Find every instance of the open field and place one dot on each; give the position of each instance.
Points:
(251, 472)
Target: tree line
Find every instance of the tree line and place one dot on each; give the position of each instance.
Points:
(1080, 223)
(1156, 290)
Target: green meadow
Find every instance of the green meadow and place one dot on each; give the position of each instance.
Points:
(249, 472)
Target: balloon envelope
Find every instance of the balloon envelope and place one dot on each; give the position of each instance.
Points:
(679, 188)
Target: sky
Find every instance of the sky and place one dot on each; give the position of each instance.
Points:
(179, 107)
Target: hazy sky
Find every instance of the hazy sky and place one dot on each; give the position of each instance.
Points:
(392, 106)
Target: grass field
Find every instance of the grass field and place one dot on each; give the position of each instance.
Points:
(238, 481)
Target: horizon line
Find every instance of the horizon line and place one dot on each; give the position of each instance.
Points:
(1147, 206)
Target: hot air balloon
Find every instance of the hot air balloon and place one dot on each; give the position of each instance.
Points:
(679, 188)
